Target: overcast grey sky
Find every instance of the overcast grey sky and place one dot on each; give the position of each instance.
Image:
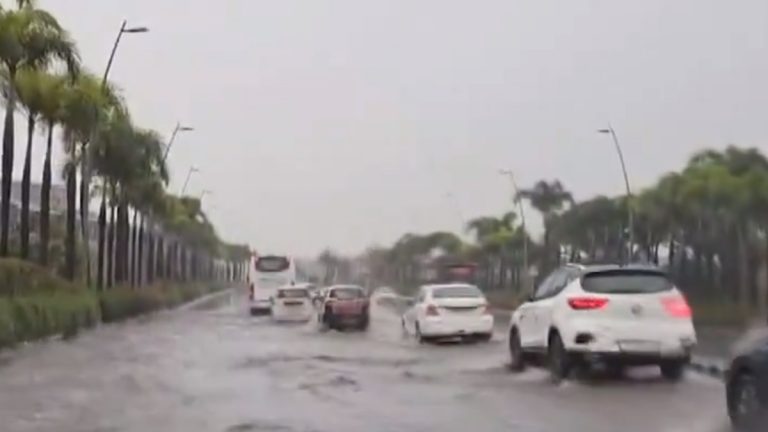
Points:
(346, 122)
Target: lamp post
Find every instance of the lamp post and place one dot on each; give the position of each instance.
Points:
(630, 216)
(520, 208)
(192, 169)
(86, 174)
(176, 130)
(123, 29)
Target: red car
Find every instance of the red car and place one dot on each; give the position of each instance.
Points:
(345, 306)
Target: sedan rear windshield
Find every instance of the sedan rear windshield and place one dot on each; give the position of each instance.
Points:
(464, 291)
(293, 293)
(626, 282)
(346, 293)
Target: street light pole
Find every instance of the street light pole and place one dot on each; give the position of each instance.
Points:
(86, 173)
(176, 130)
(186, 182)
(630, 212)
(519, 202)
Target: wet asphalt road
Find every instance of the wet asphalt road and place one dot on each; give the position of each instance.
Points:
(214, 368)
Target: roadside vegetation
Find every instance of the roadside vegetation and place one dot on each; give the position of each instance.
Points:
(152, 249)
(707, 224)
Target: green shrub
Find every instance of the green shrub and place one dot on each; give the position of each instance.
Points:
(504, 299)
(35, 317)
(122, 302)
(21, 278)
(7, 336)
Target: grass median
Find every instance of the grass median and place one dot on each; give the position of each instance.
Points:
(35, 304)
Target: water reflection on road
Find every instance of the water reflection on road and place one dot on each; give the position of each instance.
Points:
(213, 368)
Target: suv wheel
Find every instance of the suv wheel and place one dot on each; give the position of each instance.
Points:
(744, 406)
(673, 370)
(558, 359)
(517, 361)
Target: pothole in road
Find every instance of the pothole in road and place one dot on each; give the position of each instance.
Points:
(255, 362)
(258, 426)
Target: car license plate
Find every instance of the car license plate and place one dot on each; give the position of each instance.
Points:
(639, 346)
(293, 303)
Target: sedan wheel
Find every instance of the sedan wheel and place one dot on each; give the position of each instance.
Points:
(419, 337)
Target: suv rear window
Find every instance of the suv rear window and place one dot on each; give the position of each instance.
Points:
(626, 282)
(464, 291)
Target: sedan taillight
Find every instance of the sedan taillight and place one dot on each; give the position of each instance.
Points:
(587, 303)
(432, 310)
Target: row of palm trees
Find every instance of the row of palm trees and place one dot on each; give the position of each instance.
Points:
(43, 79)
(707, 224)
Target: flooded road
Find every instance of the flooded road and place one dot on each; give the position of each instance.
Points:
(216, 369)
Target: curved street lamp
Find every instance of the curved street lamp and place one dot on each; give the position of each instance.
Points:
(630, 216)
(519, 202)
(192, 170)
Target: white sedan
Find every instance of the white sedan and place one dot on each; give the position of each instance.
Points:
(292, 303)
(449, 310)
(611, 315)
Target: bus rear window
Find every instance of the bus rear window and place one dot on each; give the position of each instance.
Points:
(268, 264)
(293, 293)
(626, 282)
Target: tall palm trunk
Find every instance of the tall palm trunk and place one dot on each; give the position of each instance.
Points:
(134, 247)
(745, 299)
(111, 239)
(160, 264)
(121, 243)
(71, 240)
(45, 200)
(7, 164)
(151, 252)
(140, 253)
(85, 218)
(100, 277)
(26, 180)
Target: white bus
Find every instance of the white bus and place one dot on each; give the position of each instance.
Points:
(266, 274)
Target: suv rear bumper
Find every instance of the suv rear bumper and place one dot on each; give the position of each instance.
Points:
(631, 358)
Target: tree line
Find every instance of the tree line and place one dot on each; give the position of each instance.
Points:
(707, 224)
(144, 232)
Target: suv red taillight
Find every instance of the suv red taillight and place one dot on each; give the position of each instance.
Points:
(432, 310)
(587, 303)
(677, 307)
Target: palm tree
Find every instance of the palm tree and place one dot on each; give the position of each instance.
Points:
(30, 39)
(549, 198)
(85, 105)
(53, 90)
(40, 94)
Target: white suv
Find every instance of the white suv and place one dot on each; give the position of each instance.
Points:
(614, 315)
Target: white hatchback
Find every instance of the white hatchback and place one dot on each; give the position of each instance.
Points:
(611, 315)
(292, 303)
(449, 310)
